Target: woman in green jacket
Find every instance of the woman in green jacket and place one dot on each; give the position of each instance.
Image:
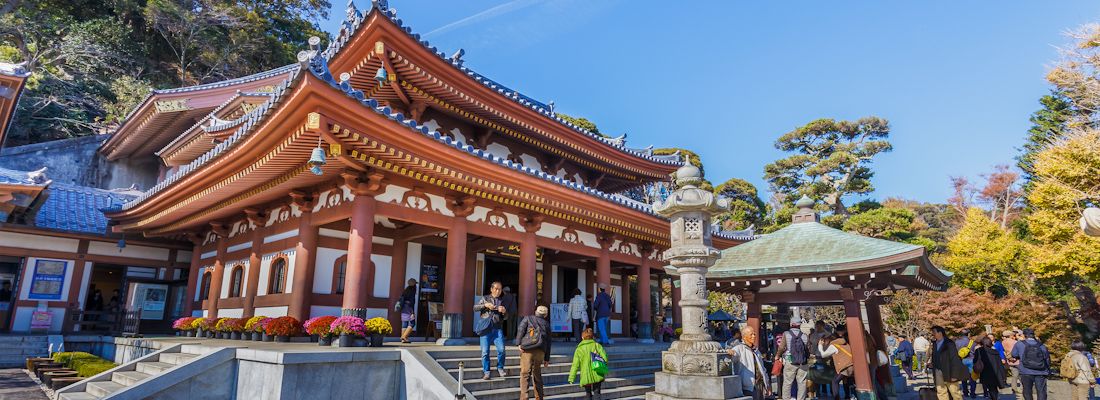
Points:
(582, 362)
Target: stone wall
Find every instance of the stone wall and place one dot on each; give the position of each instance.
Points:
(77, 161)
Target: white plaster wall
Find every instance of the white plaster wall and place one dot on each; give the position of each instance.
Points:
(84, 281)
(38, 242)
(618, 298)
(320, 311)
(616, 326)
(553, 282)
(376, 312)
(271, 311)
(588, 239)
(265, 271)
(550, 230)
(581, 277)
(209, 254)
(383, 267)
(238, 247)
(28, 275)
(143, 252)
(183, 256)
(230, 312)
(281, 236)
(325, 268)
(21, 321)
(412, 264)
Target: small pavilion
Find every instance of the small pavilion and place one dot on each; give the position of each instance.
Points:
(810, 264)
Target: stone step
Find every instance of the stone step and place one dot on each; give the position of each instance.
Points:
(4, 340)
(563, 366)
(475, 361)
(77, 396)
(633, 392)
(153, 367)
(557, 348)
(177, 358)
(566, 388)
(129, 378)
(103, 388)
(475, 383)
(23, 351)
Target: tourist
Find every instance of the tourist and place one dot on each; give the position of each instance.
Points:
(582, 364)
(1034, 365)
(904, 352)
(603, 306)
(921, 346)
(5, 292)
(578, 313)
(891, 342)
(1008, 342)
(988, 367)
(1083, 379)
(406, 304)
(508, 300)
(95, 304)
(588, 311)
(534, 350)
(820, 375)
(836, 347)
(749, 364)
(492, 307)
(634, 322)
(966, 345)
(794, 353)
(948, 371)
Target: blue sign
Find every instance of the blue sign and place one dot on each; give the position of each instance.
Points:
(48, 280)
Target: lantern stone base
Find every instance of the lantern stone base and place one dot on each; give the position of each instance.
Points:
(696, 364)
(693, 387)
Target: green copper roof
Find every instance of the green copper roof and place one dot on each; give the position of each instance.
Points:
(810, 248)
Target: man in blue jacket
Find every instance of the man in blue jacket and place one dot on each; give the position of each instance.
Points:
(905, 353)
(603, 305)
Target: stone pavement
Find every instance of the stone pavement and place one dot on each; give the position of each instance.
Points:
(1056, 390)
(15, 384)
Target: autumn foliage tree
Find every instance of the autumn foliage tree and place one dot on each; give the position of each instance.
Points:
(986, 257)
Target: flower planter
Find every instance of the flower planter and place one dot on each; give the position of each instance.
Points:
(178, 333)
(257, 336)
(345, 340)
(235, 335)
(313, 338)
(268, 338)
(282, 339)
(190, 333)
(324, 340)
(376, 340)
(199, 332)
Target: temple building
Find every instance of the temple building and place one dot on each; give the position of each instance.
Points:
(322, 187)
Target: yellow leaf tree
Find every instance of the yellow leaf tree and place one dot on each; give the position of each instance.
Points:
(986, 257)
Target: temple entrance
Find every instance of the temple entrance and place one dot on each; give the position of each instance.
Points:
(9, 279)
(501, 269)
(433, 287)
(569, 281)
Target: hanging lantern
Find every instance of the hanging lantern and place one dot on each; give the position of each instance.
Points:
(317, 160)
(381, 76)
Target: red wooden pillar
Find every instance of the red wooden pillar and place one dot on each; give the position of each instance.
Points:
(603, 264)
(752, 314)
(878, 337)
(305, 258)
(528, 250)
(645, 312)
(360, 246)
(454, 307)
(397, 280)
(219, 270)
(252, 282)
(193, 275)
(854, 321)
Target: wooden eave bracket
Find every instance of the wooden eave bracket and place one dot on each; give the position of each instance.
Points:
(461, 206)
(370, 183)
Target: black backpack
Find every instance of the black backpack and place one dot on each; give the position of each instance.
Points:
(532, 339)
(799, 354)
(1035, 358)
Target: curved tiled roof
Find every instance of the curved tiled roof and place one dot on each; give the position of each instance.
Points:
(67, 207)
(355, 20)
(804, 248)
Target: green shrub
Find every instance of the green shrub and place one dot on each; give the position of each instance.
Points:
(83, 363)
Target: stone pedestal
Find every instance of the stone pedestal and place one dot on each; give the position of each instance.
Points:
(452, 331)
(694, 387)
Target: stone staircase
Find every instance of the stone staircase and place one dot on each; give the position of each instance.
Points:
(631, 375)
(105, 385)
(14, 350)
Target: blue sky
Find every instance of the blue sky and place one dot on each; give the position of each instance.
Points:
(956, 79)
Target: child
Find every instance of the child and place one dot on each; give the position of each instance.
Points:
(582, 362)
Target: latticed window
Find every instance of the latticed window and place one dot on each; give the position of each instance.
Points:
(278, 275)
(341, 270)
(236, 282)
(205, 286)
(693, 225)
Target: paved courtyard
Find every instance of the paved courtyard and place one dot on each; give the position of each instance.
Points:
(15, 384)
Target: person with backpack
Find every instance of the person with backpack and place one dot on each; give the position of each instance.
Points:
(905, 352)
(1077, 369)
(794, 353)
(836, 347)
(1034, 365)
(406, 305)
(603, 306)
(488, 324)
(533, 340)
(590, 362)
(948, 370)
(578, 313)
(966, 347)
(988, 368)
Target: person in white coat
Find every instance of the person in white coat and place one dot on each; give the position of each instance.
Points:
(749, 365)
(1084, 379)
(578, 313)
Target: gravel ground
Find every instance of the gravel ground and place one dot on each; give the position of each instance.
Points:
(1056, 390)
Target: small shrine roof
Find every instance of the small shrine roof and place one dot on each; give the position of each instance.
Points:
(65, 207)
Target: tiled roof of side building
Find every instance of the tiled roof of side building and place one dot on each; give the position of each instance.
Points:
(67, 207)
(355, 19)
(16, 70)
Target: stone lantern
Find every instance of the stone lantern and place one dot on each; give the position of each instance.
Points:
(695, 366)
(1090, 221)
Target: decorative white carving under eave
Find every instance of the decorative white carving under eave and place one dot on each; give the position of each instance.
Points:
(498, 150)
(579, 179)
(289, 253)
(278, 215)
(458, 136)
(210, 238)
(625, 248)
(588, 239)
(530, 161)
(295, 211)
(332, 198)
(378, 219)
(239, 228)
(562, 173)
(552, 231)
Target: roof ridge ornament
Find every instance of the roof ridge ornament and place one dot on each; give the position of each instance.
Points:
(805, 211)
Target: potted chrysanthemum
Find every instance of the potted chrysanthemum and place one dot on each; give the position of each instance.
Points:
(283, 328)
(347, 328)
(321, 329)
(253, 329)
(377, 327)
(201, 325)
(183, 326)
